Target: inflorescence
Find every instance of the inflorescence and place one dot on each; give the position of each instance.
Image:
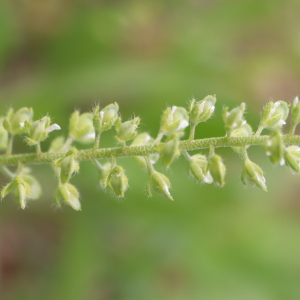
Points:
(87, 128)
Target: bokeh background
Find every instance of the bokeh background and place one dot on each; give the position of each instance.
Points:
(232, 243)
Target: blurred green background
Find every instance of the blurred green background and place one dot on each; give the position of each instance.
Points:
(232, 243)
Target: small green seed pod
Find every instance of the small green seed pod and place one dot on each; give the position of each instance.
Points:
(292, 158)
(117, 181)
(105, 118)
(127, 130)
(81, 127)
(275, 148)
(235, 118)
(15, 123)
(198, 168)
(253, 174)
(160, 183)
(274, 115)
(217, 169)
(39, 131)
(170, 150)
(201, 111)
(69, 194)
(173, 120)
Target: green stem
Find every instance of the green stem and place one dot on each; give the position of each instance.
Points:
(186, 155)
(259, 130)
(97, 141)
(149, 165)
(66, 145)
(292, 129)
(192, 132)
(38, 148)
(10, 145)
(7, 172)
(158, 138)
(131, 151)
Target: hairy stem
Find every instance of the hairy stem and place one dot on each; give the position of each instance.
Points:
(91, 154)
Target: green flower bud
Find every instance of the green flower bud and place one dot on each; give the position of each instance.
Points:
(292, 158)
(57, 144)
(201, 111)
(170, 150)
(117, 181)
(253, 174)
(15, 123)
(235, 118)
(105, 118)
(67, 165)
(198, 168)
(69, 194)
(35, 187)
(104, 172)
(144, 139)
(160, 183)
(3, 136)
(217, 169)
(242, 131)
(81, 127)
(295, 111)
(173, 120)
(275, 148)
(274, 115)
(39, 131)
(19, 188)
(127, 130)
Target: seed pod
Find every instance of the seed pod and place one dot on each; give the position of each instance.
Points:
(19, 188)
(253, 174)
(160, 183)
(117, 181)
(69, 194)
(292, 158)
(170, 150)
(275, 148)
(235, 118)
(274, 115)
(198, 168)
(105, 118)
(242, 131)
(15, 123)
(173, 120)
(202, 110)
(39, 131)
(127, 130)
(144, 139)
(217, 169)
(81, 127)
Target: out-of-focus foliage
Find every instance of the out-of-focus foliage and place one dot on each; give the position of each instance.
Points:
(230, 243)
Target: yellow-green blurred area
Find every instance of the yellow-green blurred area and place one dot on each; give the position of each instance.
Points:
(232, 243)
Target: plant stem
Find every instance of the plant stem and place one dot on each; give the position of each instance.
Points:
(38, 148)
(97, 140)
(131, 151)
(7, 172)
(68, 142)
(10, 145)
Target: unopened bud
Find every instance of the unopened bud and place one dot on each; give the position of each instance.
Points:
(81, 127)
(274, 115)
(104, 172)
(3, 136)
(235, 118)
(39, 130)
(173, 120)
(202, 110)
(295, 111)
(292, 158)
(253, 174)
(68, 166)
(127, 130)
(15, 123)
(275, 148)
(160, 184)
(117, 181)
(198, 168)
(19, 188)
(69, 194)
(144, 139)
(217, 169)
(242, 131)
(105, 118)
(170, 150)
